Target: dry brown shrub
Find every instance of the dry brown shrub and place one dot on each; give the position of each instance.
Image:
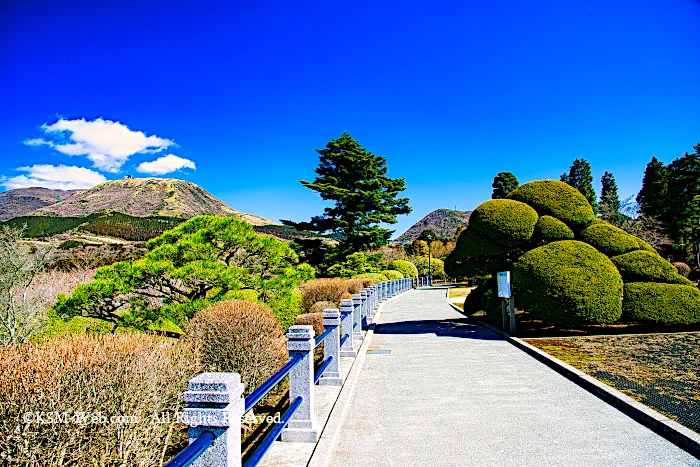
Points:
(366, 282)
(239, 336)
(682, 268)
(346, 296)
(318, 307)
(133, 375)
(313, 319)
(355, 285)
(323, 290)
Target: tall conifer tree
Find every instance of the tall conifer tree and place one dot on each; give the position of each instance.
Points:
(652, 198)
(609, 198)
(580, 177)
(503, 183)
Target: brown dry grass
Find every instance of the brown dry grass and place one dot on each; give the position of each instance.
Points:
(659, 370)
(113, 375)
(330, 290)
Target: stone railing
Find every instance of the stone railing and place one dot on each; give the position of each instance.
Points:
(215, 403)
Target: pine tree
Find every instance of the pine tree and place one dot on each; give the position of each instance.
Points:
(653, 197)
(355, 180)
(683, 192)
(503, 183)
(609, 199)
(580, 178)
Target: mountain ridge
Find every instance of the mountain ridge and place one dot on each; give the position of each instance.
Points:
(21, 201)
(444, 222)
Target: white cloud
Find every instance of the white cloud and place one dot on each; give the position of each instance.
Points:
(106, 143)
(166, 164)
(60, 177)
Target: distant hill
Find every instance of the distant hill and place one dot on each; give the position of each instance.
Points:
(22, 201)
(145, 197)
(444, 223)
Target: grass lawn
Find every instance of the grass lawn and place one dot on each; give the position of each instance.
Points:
(660, 370)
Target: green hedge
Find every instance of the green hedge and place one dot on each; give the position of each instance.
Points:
(643, 266)
(375, 276)
(567, 283)
(550, 229)
(392, 275)
(609, 239)
(650, 302)
(557, 199)
(508, 222)
(407, 268)
(473, 244)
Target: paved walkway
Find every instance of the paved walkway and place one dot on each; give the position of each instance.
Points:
(450, 393)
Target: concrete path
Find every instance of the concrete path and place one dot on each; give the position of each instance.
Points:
(450, 393)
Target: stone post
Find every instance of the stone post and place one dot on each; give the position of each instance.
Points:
(357, 316)
(364, 294)
(302, 426)
(331, 348)
(214, 404)
(347, 321)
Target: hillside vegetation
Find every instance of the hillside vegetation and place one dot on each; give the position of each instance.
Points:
(22, 201)
(444, 222)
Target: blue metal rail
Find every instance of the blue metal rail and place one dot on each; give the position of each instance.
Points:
(270, 438)
(188, 455)
(342, 341)
(323, 336)
(265, 387)
(324, 365)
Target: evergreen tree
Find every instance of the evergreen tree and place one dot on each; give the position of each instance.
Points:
(503, 183)
(609, 199)
(580, 178)
(652, 198)
(683, 192)
(355, 180)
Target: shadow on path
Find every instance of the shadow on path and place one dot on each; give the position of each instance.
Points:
(460, 327)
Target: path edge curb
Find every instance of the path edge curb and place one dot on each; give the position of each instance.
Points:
(673, 431)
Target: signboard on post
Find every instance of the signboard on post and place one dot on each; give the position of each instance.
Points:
(503, 279)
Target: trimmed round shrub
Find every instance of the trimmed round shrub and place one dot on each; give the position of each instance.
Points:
(550, 229)
(682, 268)
(373, 276)
(239, 336)
(650, 302)
(557, 199)
(318, 307)
(314, 319)
(568, 283)
(473, 244)
(609, 239)
(437, 267)
(324, 290)
(407, 268)
(508, 222)
(643, 266)
(392, 275)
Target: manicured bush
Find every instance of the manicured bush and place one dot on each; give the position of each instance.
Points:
(318, 307)
(314, 319)
(325, 290)
(128, 374)
(473, 244)
(355, 285)
(407, 268)
(682, 268)
(240, 336)
(567, 283)
(557, 199)
(609, 239)
(508, 222)
(650, 302)
(374, 277)
(392, 275)
(437, 267)
(643, 266)
(354, 264)
(550, 229)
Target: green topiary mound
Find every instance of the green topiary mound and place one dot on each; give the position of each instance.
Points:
(609, 239)
(392, 275)
(550, 229)
(642, 266)
(649, 302)
(407, 268)
(557, 199)
(567, 283)
(472, 244)
(375, 276)
(508, 222)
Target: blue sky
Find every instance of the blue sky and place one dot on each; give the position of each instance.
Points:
(449, 92)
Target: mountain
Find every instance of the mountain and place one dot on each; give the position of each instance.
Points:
(143, 197)
(444, 223)
(21, 201)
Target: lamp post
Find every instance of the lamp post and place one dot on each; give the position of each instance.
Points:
(430, 270)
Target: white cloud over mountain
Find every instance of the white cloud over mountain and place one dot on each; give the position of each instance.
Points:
(166, 164)
(106, 143)
(60, 177)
